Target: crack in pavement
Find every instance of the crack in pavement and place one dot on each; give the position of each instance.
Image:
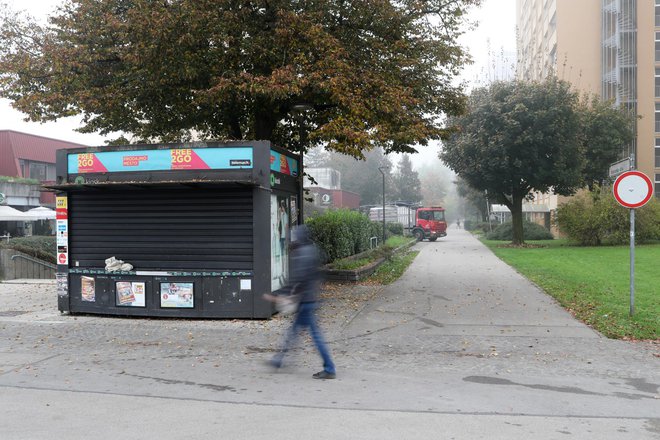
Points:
(162, 380)
(487, 380)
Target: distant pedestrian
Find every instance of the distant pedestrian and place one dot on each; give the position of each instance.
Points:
(458, 223)
(305, 283)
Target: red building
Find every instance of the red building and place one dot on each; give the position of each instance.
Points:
(326, 189)
(335, 198)
(31, 157)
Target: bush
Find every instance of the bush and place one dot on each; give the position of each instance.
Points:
(39, 247)
(394, 229)
(595, 218)
(476, 225)
(577, 218)
(469, 225)
(484, 227)
(531, 231)
(615, 221)
(341, 233)
(376, 230)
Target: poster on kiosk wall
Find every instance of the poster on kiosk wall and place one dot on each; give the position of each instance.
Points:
(130, 294)
(280, 223)
(177, 295)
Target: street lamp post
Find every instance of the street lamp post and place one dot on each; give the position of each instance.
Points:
(383, 173)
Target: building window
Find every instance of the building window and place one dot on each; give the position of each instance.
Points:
(657, 185)
(657, 152)
(38, 171)
(657, 13)
(657, 82)
(43, 172)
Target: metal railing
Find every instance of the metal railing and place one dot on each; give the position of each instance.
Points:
(32, 268)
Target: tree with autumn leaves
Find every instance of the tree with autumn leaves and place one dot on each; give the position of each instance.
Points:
(348, 75)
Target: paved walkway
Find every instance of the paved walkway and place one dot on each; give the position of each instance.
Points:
(460, 347)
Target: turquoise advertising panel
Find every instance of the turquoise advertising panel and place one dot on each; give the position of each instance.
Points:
(284, 164)
(162, 160)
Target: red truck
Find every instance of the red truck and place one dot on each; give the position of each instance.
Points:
(429, 223)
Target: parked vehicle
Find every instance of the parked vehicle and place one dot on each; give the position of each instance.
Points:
(430, 223)
(376, 214)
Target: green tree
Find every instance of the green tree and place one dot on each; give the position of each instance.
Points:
(349, 75)
(406, 185)
(519, 137)
(607, 130)
(476, 201)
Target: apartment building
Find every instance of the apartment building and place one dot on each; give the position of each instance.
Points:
(602, 47)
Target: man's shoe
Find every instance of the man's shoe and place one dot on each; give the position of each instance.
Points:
(324, 375)
(274, 364)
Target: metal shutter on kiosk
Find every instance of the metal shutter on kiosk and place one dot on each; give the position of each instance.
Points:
(185, 229)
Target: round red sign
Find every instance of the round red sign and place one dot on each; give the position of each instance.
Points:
(61, 258)
(633, 189)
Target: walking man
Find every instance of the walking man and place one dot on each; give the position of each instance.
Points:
(305, 283)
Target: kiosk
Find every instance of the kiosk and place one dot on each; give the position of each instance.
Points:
(205, 227)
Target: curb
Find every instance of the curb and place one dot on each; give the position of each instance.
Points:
(355, 275)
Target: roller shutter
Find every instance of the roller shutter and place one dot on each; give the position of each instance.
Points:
(158, 229)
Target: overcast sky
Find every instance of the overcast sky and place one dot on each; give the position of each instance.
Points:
(495, 33)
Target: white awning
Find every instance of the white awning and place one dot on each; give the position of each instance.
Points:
(41, 213)
(9, 214)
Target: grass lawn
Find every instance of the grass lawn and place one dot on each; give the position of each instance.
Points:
(594, 283)
(393, 268)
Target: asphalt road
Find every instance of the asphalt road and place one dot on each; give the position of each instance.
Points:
(461, 347)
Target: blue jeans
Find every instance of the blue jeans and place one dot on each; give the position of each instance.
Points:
(306, 317)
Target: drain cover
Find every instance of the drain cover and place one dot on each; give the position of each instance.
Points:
(11, 312)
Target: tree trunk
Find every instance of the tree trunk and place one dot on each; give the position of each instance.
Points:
(264, 124)
(517, 220)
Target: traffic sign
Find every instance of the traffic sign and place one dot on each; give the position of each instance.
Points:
(619, 167)
(633, 189)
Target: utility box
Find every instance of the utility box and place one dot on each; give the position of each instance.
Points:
(204, 227)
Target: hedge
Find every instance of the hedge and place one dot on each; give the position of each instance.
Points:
(594, 218)
(531, 231)
(41, 247)
(342, 233)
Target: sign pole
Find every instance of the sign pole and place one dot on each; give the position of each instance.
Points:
(632, 189)
(632, 262)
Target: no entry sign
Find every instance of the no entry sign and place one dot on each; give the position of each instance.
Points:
(633, 189)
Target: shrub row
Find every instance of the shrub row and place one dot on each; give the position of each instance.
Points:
(472, 225)
(594, 218)
(531, 231)
(394, 229)
(41, 247)
(342, 233)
